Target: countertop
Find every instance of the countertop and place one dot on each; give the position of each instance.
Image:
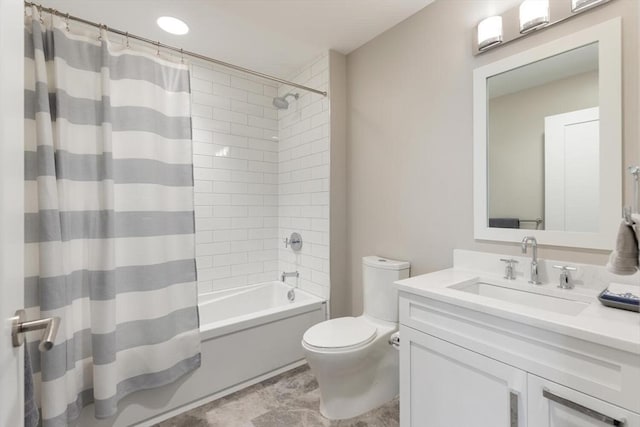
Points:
(596, 323)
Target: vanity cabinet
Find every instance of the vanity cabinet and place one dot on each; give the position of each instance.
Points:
(443, 384)
(462, 367)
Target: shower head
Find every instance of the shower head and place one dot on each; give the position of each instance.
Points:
(281, 102)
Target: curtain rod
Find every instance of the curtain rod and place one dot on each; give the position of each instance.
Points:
(173, 48)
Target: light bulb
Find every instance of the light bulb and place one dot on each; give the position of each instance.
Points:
(578, 5)
(489, 32)
(533, 14)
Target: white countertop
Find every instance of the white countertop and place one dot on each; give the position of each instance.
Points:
(606, 326)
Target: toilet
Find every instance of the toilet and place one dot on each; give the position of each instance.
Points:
(351, 357)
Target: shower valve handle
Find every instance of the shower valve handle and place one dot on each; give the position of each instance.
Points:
(295, 241)
(288, 241)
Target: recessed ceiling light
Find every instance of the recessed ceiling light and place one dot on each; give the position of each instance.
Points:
(173, 25)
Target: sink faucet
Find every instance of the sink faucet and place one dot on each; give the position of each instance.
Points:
(534, 258)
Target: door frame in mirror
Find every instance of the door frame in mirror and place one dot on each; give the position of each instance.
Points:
(608, 37)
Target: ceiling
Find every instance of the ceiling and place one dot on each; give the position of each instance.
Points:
(277, 37)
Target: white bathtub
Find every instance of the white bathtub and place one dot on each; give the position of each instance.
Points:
(232, 310)
(248, 334)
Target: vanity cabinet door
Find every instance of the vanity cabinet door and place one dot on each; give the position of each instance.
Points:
(444, 385)
(553, 405)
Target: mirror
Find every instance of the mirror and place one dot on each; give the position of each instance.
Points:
(542, 144)
(547, 146)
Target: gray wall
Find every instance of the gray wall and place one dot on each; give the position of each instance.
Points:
(410, 134)
(340, 292)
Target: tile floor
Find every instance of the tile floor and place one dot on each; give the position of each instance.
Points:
(291, 399)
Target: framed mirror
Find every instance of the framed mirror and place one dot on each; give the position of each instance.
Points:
(547, 142)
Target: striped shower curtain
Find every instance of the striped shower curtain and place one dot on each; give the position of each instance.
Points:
(109, 223)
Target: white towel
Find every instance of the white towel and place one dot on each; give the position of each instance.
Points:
(625, 259)
(621, 289)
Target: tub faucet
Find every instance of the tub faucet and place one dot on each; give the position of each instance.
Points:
(534, 258)
(289, 274)
(291, 293)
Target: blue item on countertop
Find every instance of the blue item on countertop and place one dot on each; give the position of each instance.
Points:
(625, 301)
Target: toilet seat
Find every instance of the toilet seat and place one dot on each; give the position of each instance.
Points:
(343, 333)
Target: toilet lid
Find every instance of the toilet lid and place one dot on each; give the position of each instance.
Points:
(340, 332)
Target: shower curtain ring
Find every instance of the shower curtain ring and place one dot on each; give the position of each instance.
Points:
(181, 55)
(127, 38)
(100, 28)
(158, 45)
(40, 13)
(66, 21)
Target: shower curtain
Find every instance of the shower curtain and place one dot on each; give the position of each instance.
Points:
(109, 221)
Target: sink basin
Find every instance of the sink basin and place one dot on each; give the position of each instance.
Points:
(529, 299)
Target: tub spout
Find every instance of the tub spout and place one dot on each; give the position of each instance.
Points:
(289, 274)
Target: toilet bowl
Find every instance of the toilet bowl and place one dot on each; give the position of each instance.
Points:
(355, 365)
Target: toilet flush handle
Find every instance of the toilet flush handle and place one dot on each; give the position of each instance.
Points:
(394, 340)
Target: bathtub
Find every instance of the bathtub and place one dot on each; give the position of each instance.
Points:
(232, 310)
(248, 335)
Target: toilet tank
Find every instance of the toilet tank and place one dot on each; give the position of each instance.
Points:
(379, 293)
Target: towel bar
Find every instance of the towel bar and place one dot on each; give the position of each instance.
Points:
(20, 325)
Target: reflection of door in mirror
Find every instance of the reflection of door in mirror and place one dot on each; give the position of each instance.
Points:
(571, 153)
(519, 102)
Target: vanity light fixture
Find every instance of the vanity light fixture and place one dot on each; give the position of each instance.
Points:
(579, 5)
(173, 25)
(534, 14)
(489, 32)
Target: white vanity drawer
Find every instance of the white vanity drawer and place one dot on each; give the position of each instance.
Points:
(552, 405)
(606, 373)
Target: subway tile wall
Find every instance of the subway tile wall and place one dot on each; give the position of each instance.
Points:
(303, 178)
(260, 174)
(235, 155)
